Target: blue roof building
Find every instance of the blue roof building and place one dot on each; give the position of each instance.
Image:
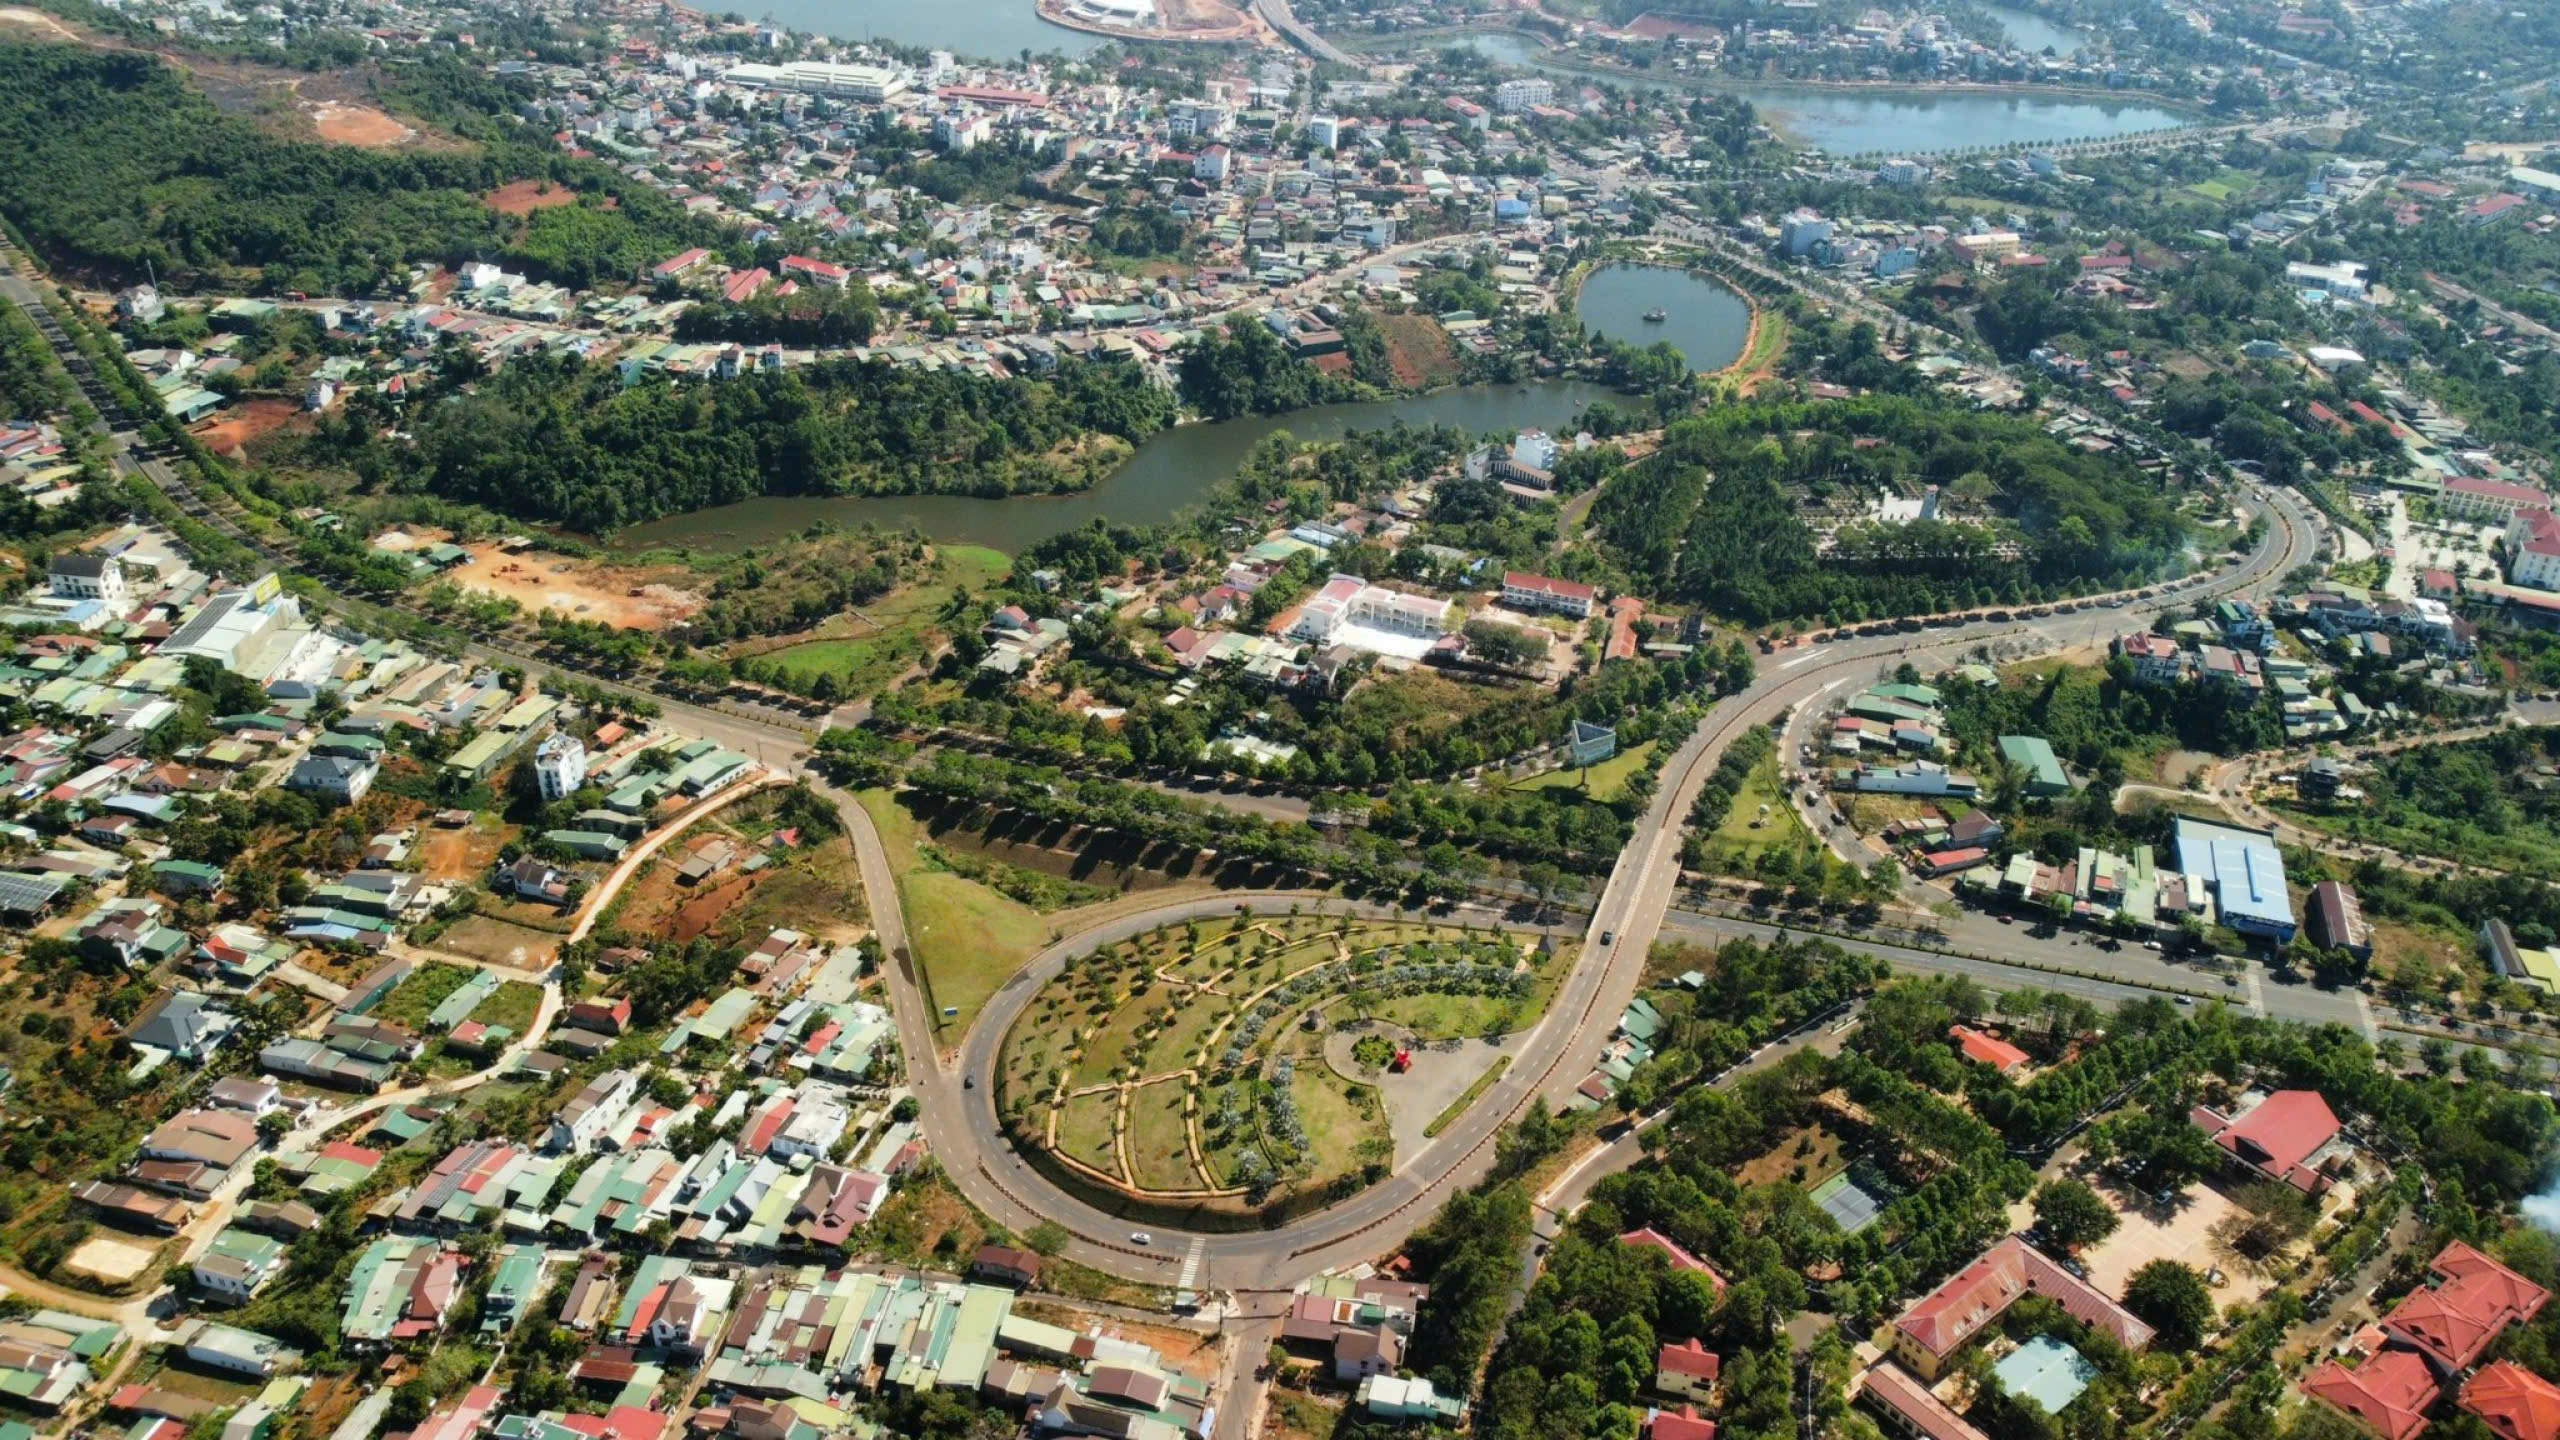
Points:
(2245, 873)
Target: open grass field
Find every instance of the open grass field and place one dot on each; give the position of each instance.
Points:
(1085, 1130)
(513, 1004)
(414, 999)
(1604, 781)
(1159, 1158)
(967, 938)
(1346, 1122)
(1747, 832)
(2226, 185)
(883, 637)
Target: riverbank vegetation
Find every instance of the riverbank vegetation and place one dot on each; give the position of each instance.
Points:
(559, 441)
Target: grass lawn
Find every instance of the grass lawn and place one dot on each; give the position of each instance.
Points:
(513, 1004)
(1158, 1151)
(1343, 1132)
(967, 938)
(1084, 1130)
(2225, 185)
(1746, 833)
(1607, 780)
(1445, 1017)
(414, 999)
(906, 620)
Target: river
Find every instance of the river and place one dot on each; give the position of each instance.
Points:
(1707, 323)
(1173, 469)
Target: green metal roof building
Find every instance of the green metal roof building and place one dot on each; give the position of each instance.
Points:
(2033, 757)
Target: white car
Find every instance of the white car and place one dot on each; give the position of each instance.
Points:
(1141, 1237)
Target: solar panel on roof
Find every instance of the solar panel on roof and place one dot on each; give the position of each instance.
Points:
(23, 893)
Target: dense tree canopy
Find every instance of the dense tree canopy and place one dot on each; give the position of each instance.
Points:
(559, 441)
(1713, 516)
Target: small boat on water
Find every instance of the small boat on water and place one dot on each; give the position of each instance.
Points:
(1656, 315)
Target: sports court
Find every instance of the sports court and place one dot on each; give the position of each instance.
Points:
(2046, 1371)
(1845, 1201)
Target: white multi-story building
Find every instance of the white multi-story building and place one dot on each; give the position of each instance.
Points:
(1536, 449)
(961, 131)
(2467, 497)
(1513, 96)
(2533, 548)
(1801, 231)
(1350, 600)
(560, 766)
(1523, 591)
(873, 83)
(2345, 280)
(1902, 170)
(79, 575)
(1188, 118)
(1325, 131)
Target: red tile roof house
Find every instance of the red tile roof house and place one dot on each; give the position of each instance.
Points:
(2391, 1393)
(1649, 1238)
(1985, 1049)
(2280, 1138)
(2514, 1402)
(1893, 1390)
(1939, 1324)
(1681, 1424)
(2469, 1301)
(1687, 1370)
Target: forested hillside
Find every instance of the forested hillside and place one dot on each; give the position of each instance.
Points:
(1712, 518)
(558, 441)
(114, 162)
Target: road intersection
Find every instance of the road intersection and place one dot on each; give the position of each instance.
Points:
(1633, 909)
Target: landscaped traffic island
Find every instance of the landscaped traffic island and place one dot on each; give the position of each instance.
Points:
(1260, 1065)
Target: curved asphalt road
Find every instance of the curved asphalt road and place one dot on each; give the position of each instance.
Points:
(1548, 1061)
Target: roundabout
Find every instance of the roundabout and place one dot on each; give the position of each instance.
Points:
(1240, 1071)
(982, 1098)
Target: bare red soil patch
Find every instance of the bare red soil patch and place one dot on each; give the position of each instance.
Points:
(230, 434)
(523, 197)
(358, 125)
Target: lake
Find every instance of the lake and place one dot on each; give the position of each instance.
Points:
(2033, 33)
(1503, 47)
(1841, 122)
(1918, 120)
(1703, 320)
(1912, 122)
(1175, 468)
(988, 29)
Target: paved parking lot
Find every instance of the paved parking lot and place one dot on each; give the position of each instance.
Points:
(2435, 547)
(2178, 1232)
